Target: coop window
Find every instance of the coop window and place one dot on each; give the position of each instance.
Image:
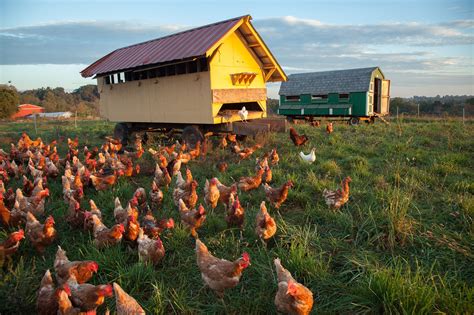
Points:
(107, 79)
(192, 67)
(344, 96)
(161, 72)
(292, 98)
(128, 76)
(370, 99)
(152, 73)
(202, 62)
(319, 97)
(181, 68)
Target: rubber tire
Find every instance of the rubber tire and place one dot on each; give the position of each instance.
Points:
(192, 134)
(122, 133)
(354, 121)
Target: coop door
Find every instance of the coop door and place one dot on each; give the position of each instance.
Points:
(385, 101)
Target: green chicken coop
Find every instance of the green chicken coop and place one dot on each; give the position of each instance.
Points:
(353, 95)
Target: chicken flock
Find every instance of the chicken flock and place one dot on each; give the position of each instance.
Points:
(35, 163)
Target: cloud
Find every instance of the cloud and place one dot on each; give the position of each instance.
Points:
(73, 42)
(403, 50)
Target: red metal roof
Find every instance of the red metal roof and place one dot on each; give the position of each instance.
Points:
(191, 43)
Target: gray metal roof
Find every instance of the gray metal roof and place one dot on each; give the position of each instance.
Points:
(338, 81)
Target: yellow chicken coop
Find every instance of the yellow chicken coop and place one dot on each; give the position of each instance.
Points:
(197, 80)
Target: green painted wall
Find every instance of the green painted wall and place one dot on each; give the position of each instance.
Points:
(356, 105)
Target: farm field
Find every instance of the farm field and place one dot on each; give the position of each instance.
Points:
(404, 243)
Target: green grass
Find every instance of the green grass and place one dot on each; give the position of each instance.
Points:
(403, 244)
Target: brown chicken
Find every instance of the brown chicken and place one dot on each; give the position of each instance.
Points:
(88, 297)
(223, 142)
(46, 302)
(225, 192)
(104, 182)
(336, 199)
(267, 175)
(125, 304)
(152, 228)
(156, 195)
(235, 213)
(247, 152)
(162, 176)
(265, 226)
(274, 158)
(65, 306)
(222, 166)
(150, 250)
(40, 235)
(76, 215)
(131, 229)
(291, 297)
(250, 183)
(121, 215)
(188, 194)
(104, 236)
(5, 213)
(276, 196)
(192, 219)
(315, 123)
(329, 128)
(219, 274)
(296, 138)
(211, 192)
(81, 270)
(9, 246)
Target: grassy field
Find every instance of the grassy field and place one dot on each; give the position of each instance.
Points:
(402, 244)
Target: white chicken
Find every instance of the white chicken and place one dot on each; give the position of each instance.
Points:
(310, 157)
(243, 113)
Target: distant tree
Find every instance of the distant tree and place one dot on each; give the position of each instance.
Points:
(9, 101)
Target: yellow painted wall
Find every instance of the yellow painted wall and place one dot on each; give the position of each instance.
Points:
(184, 98)
(233, 56)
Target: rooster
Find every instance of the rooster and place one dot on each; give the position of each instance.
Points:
(150, 250)
(297, 139)
(219, 274)
(276, 196)
(211, 192)
(192, 218)
(336, 199)
(265, 226)
(250, 183)
(291, 297)
(40, 235)
(125, 304)
(310, 157)
(81, 270)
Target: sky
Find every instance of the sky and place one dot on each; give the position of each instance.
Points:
(423, 47)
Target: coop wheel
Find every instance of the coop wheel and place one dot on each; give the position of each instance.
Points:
(122, 132)
(192, 134)
(354, 121)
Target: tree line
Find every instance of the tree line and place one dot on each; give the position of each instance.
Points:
(450, 105)
(84, 100)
